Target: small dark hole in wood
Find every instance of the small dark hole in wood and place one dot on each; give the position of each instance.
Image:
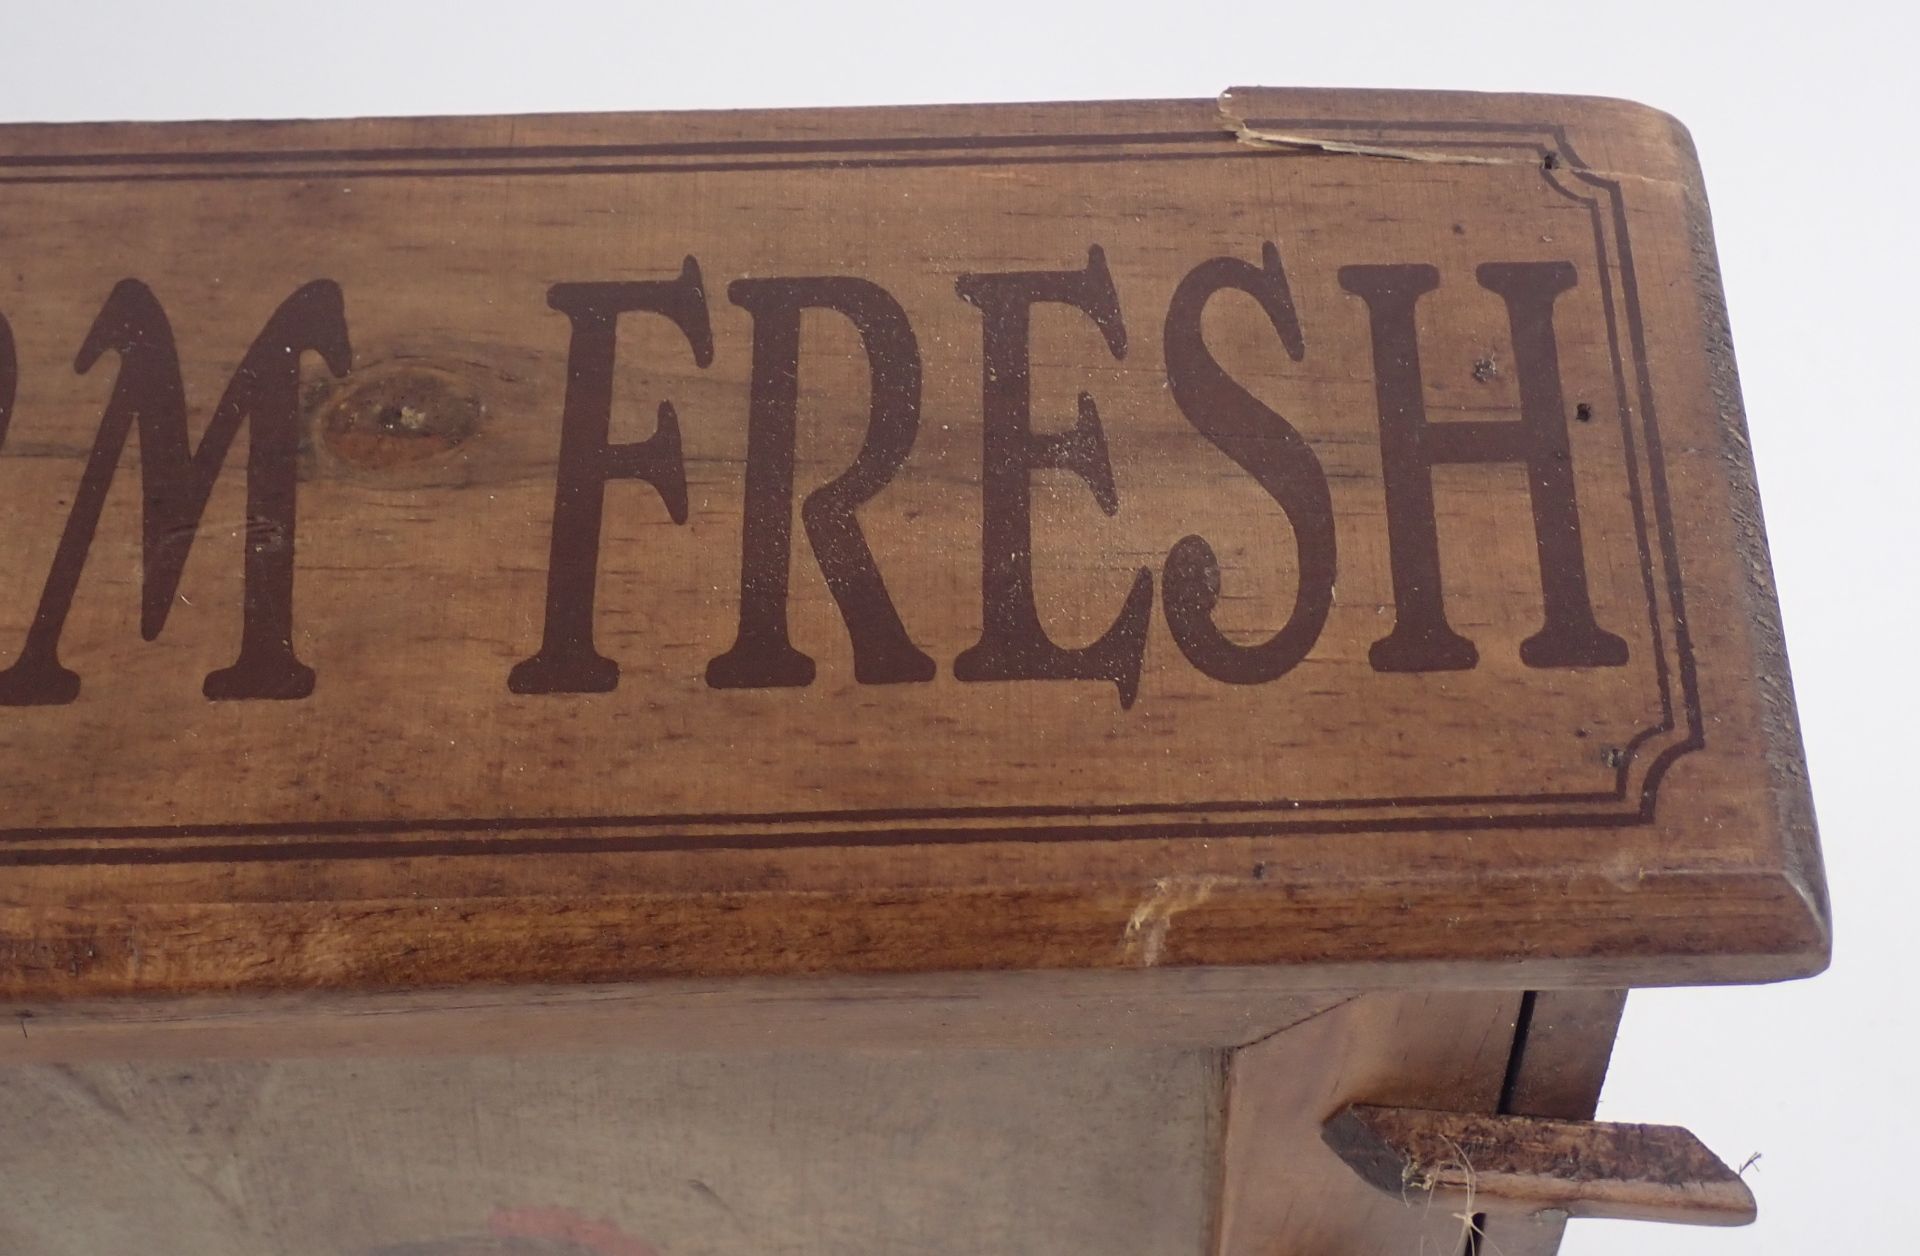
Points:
(1583, 412)
(1551, 161)
(1613, 756)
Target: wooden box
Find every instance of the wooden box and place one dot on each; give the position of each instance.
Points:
(1092, 678)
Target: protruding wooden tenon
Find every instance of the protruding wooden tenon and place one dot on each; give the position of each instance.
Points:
(1507, 1165)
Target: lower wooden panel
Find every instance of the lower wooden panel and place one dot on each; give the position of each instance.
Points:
(1125, 1148)
(857, 1154)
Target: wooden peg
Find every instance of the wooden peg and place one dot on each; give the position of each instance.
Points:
(1522, 1165)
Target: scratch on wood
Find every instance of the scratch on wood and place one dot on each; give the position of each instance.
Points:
(1145, 937)
(1258, 136)
(1252, 133)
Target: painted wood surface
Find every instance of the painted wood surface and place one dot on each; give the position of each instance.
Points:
(952, 679)
(1304, 529)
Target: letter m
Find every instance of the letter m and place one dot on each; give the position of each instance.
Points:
(177, 477)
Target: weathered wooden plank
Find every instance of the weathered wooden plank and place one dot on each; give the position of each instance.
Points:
(651, 546)
(1471, 1162)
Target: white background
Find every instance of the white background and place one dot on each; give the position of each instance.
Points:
(1803, 115)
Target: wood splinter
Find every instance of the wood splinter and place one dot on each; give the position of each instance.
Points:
(1526, 1165)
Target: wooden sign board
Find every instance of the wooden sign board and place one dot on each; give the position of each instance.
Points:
(1196, 627)
(1310, 530)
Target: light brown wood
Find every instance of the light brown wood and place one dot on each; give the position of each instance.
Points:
(1560, 1060)
(1008, 660)
(1626, 806)
(1281, 1180)
(1471, 1162)
(1561, 1051)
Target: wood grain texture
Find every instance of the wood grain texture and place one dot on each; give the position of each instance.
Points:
(1562, 1047)
(1204, 1009)
(429, 817)
(1280, 1180)
(1469, 1162)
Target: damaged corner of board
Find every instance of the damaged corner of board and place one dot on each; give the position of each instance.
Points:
(1305, 531)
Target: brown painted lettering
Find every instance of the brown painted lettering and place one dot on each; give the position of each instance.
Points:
(177, 478)
(1013, 643)
(1410, 447)
(567, 661)
(1264, 444)
(761, 655)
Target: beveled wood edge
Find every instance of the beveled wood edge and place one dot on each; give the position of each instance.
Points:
(1216, 1009)
(1796, 830)
(1674, 929)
